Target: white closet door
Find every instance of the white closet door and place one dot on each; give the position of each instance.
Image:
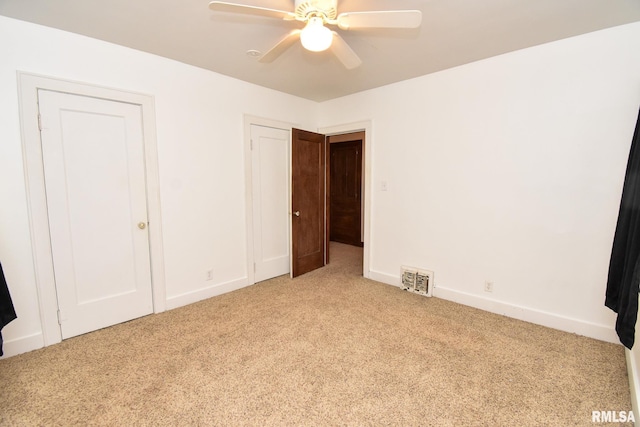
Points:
(270, 186)
(93, 154)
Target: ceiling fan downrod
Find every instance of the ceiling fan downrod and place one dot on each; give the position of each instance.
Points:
(305, 9)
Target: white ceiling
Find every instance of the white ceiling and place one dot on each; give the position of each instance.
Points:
(453, 32)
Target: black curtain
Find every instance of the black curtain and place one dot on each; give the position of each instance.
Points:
(624, 267)
(7, 313)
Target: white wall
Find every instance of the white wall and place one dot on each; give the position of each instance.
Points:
(507, 170)
(200, 148)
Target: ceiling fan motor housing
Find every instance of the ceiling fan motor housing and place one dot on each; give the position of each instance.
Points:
(326, 8)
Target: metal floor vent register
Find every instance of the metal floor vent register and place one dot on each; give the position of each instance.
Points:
(417, 281)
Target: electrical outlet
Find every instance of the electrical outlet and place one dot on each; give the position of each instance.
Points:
(488, 286)
(209, 274)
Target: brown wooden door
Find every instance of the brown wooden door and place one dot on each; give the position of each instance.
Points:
(307, 201)
(346, 192)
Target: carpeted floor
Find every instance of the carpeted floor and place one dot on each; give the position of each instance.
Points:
(328, 348)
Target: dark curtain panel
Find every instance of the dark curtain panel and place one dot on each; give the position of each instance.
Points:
(624, 267)
(7, 313)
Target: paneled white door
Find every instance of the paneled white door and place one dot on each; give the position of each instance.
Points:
(270, 188)
(93, 155)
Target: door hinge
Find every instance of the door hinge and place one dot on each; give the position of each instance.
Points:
(254, 267)
(251, 144)
(59, 318)
(39, 122)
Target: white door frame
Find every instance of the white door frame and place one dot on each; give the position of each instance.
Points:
(365, 126)
(248, 174)
(28, 85)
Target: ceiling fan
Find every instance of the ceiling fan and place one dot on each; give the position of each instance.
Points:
(315, 36)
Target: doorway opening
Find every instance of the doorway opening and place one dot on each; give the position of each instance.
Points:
(345, 198)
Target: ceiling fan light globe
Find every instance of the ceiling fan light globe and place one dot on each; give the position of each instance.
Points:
(315, 36)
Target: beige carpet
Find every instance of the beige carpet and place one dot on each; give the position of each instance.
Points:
(328, 348)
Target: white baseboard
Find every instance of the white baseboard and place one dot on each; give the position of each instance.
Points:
(385, 278)
(208, 292)
(634, 384)
(539, 317)
(21, 345)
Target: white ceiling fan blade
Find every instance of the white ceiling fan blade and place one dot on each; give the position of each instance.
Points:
(284, 44)
(223, 6)
(381, 19)
(345, 54)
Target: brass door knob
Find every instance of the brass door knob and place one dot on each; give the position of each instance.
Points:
(142, 225)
